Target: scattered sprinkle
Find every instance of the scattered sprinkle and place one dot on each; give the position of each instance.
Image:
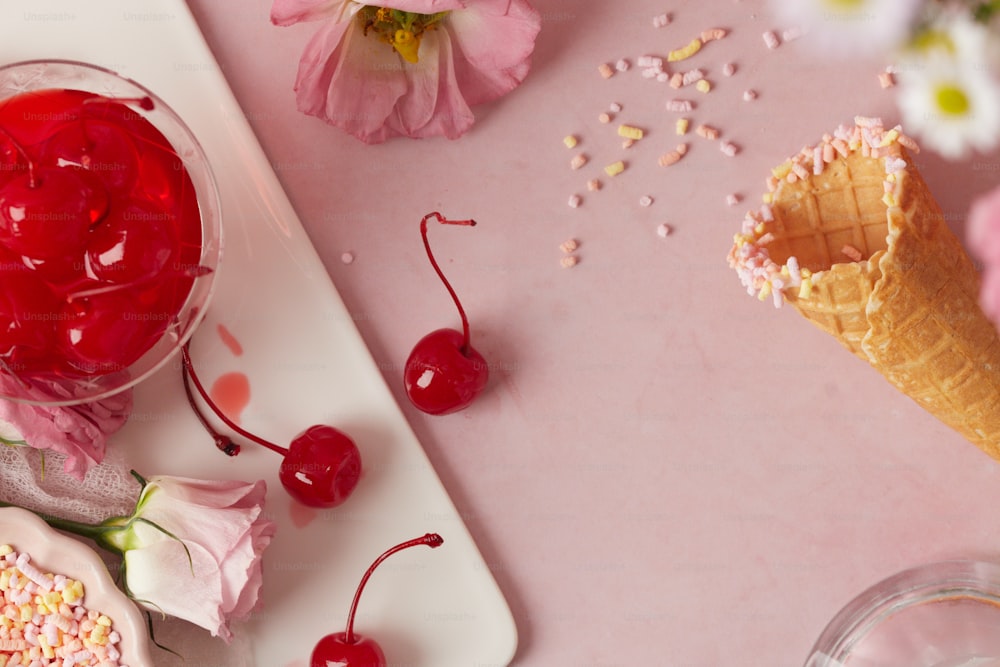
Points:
(749, 95)
(728, 69)
(673, 157)
(729, 148)
(771, 40)
(791, 34)
(692, 76)
(578, 160)
(663, 231)
(681, 106)
(645, 200)
(703, 86)
(733, 199)
(623, 65)
(570, 141)
(682, 126)
(886, 79)
(606, 70)
(347, 258)
(685, 52)
(628, 143)
(662, 77)
(714, 34)
(677, 80)
(707, 132)
(605, 117)
(569, 261)
(569, 245)
(594, 185)
(630, 132)
(575, 201)
(614, 107)
(651, 62)
(851, 253)
(661, 20)
(615, 168)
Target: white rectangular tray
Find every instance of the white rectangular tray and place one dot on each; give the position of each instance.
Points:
(306, 364)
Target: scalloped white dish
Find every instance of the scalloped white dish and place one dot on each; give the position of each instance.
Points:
(53, 552)
(304, 363)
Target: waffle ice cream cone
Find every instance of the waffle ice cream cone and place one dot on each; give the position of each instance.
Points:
(852, 238)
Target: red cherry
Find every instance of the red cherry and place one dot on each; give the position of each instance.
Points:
(133, 243)
(98, 146)
(106, 332)
(444, 373)
(440, 377)
(47, 212)
(27, 319)
(346, 649)
(320, 468)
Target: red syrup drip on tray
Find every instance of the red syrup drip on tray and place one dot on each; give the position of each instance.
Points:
(100, 233)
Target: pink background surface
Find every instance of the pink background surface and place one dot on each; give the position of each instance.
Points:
(663, 470)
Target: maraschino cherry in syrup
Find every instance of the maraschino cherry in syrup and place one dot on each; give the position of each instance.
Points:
(320, 468)
(100, 233)
(444, 373)
(348, 649)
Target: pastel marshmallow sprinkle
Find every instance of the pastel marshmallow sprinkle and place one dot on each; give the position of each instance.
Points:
(661, 20)
(570, 141)
(606, 70)
(728, 69)
(574, 201)
(569, 245)
(771, 40)
(703, 86)
(663, 231)
(685, 52)
(645, 201)
(623, 65)
(630, 132)
(578, 160)
(680, 106)
(569, 261)
(749, 95)
(615, 168)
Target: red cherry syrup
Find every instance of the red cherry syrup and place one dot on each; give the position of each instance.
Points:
(100, 234)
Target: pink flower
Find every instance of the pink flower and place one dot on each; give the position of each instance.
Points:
(984, 243)
(78, 431)
(192, 549)
(412, 70)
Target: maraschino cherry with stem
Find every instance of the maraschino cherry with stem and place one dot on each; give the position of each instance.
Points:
(444, 373)
(320, 468)
(347, 649)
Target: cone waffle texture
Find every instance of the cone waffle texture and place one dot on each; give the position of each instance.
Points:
(859, 247)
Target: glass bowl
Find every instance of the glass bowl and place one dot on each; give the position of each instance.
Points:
(168, 185)
(55, 553)
(944, 614)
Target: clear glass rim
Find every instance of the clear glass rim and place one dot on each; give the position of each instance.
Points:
(938, 581)
(211, 253)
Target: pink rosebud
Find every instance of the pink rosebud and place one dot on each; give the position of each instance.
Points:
(192, 549)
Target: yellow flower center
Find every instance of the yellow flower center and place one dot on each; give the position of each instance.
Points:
(951, 100)
(400, 30)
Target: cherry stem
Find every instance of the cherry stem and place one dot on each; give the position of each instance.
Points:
(187, 369)
(432, 540)
(430, 255)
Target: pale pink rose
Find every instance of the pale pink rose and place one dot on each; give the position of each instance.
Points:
(983, 235)
(192, 549)
(78, 431)
(480, 51)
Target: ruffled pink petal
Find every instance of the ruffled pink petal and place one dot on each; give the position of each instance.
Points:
(80, 432)
(350, 81)
(289, 12)
(434, 105)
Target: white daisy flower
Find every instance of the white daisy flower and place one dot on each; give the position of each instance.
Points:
(851, 27)
(949, 93)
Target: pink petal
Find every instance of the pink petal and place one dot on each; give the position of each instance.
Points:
(350, 81)
(434, 105)
(494, 42)
(288, 12)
